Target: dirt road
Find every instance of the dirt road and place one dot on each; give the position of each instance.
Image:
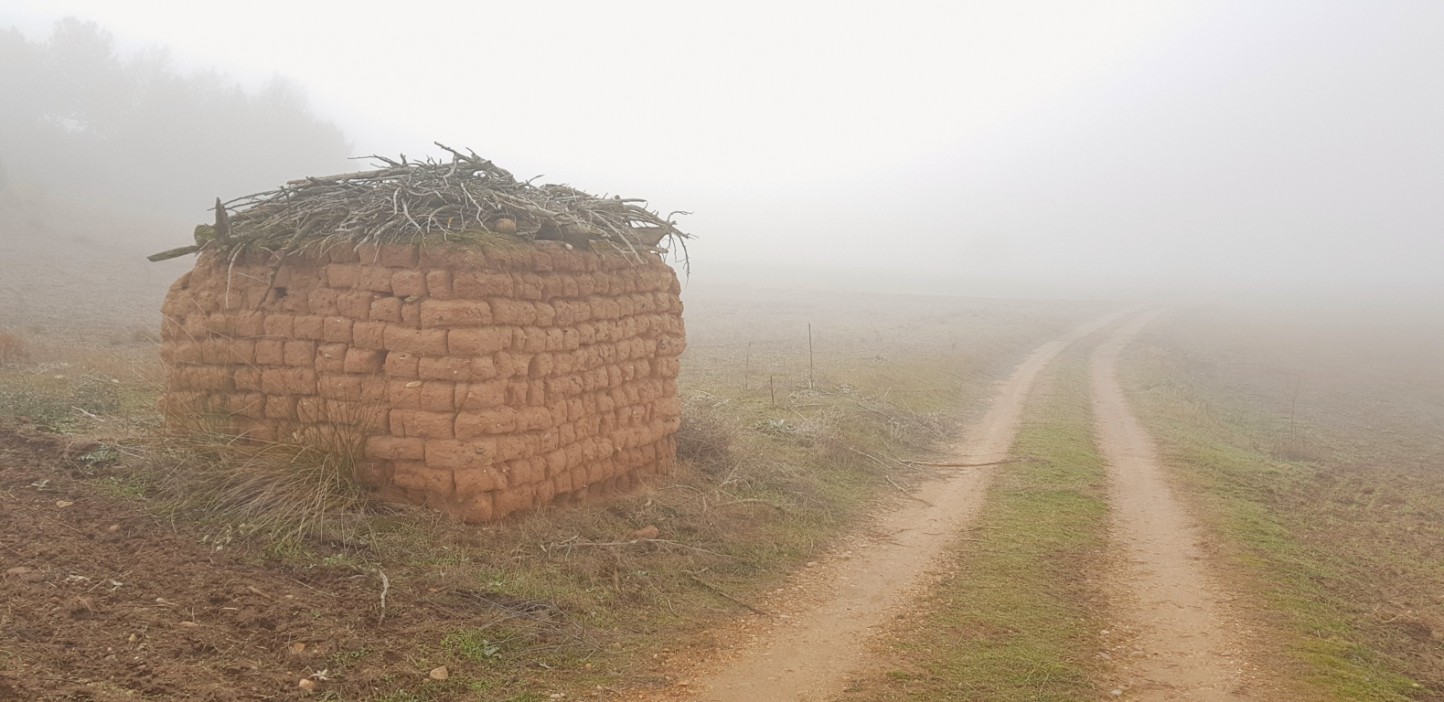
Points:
(1184, 641)
(819, 636)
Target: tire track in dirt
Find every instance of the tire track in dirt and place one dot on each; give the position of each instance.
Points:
(820, 637)
(1185, 641)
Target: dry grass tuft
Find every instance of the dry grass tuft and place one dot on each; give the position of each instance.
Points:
(13, 348)
(305, 487)
(706, 435)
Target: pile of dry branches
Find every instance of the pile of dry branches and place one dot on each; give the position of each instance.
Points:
(460, 200)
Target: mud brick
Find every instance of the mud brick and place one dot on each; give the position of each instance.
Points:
(403, 394)
(339, 387)
(256, 430)
(395, 448)
(246, 379)
(359, 360)
(511, 364)
(541, 366)
(408, 283)
(453, 368)
(473, 507)
(376, 279)
(238, 352)
(477, 342)
(250, 404)
(331, 358)
(279, 326)
(529, 339)
(270, 352)
(528, 286)
(438, 284)
(512, 500)
(280, 407)
(311, 410)
(299, 353)
(368, 335)
(512, 312)
(499, 420)
(401, 364)
(479, 396)
(420, 423)
(288, 381)
(475, 284)
(586, 333)
(516, 393)
(341, 276)
(546, 315)
(355, 304)
(373, 389)
(551, 287)
(422, 342)
(307, 327)
(562, 484)
(411, 314)
(337, 330)
(182, 352)
(461, 455)
(513, 446)
(545, 491)
(386, 309)
(524, 471)
(398, 255)
(322, 301)
(454, 313)
(438, 396)
(479, 479)
(534, 419)
(416, 475)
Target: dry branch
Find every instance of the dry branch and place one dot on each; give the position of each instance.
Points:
(462, 199)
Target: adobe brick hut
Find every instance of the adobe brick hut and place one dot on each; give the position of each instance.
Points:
(521, 350)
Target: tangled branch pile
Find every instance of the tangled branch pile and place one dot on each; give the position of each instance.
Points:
(461, 200)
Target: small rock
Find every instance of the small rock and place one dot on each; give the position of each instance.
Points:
(113, 528)
(62, 504)
(647, 532)
(1116, 692)
(439, 673)
(306, 684)
(298, 648)
(189, 624)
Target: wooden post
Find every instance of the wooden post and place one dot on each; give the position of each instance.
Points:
(810, 367)
(747, 367)
(772, 388)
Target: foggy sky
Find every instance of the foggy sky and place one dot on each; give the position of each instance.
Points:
(1104, 143)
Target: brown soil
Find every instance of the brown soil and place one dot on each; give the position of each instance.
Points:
(1177, 635)
(103, 601)
(817, 635)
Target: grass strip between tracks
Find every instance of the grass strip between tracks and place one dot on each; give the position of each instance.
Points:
(1015, 614)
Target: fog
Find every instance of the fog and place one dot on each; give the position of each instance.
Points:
(988, 148)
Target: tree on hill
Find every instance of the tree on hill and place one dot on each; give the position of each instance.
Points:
(78, 118)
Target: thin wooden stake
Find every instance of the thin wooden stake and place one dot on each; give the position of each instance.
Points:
(810, 367)
(772, 388)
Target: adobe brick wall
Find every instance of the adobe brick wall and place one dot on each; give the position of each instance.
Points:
(484, 382)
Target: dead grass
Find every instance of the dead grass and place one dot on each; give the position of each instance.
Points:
(573, 598)
(1328, 501)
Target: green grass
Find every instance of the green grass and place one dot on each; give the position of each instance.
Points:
(1287, 543)
(1015, 616)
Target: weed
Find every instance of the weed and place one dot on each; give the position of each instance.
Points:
(471, 645)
